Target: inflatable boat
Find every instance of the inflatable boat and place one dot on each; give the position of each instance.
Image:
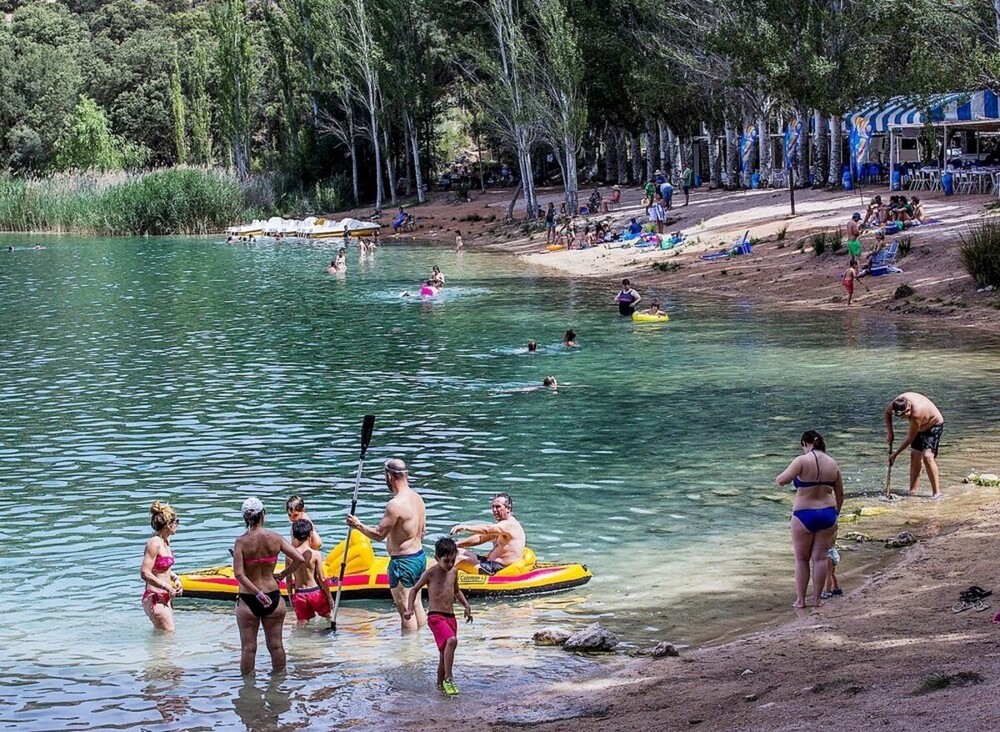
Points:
(366, 577)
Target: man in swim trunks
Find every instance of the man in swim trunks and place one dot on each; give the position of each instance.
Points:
(854, 235)
(402, 528)
(926, 426)
(506, 534)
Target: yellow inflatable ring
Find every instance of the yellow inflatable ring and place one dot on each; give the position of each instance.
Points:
(647, 318)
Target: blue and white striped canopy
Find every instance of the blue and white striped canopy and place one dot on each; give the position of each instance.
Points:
(952, 108)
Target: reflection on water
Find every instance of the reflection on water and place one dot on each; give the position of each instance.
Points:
(197, 373)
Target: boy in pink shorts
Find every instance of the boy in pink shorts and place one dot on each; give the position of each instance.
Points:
(441, 581)
(312, 591)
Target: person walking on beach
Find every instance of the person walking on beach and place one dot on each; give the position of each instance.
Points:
(162, 583)
(687, 177)
(550, 223)
(402, 528)
(260, 603)
(650, 190)
(507, 536)
(925, 427)
(627, 299)
(441, 582)
(854, 235)
(819, 496)
(849, 277)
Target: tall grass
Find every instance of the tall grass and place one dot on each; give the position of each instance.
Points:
(173, 201)
(979, 250)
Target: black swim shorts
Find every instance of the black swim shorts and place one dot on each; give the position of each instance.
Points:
(486, 566)
(928, 439)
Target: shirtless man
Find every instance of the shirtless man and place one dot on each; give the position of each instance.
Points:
(926, 425)
(506, 534)
(402, 528)
(854, 235)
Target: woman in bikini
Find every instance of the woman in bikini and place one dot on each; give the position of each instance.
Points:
(819, 495)
(162, 584)
(260, 602)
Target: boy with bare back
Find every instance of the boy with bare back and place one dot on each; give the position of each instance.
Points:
(311, 590)
(441, 581)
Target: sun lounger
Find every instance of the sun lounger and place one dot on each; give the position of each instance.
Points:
(741, 247)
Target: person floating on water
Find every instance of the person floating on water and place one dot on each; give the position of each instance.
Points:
(532, 347)
(441, 582)
(654, 310)
(162, 583)
(307, 585)
(550, 382)
(332, 269)
(923, 437)
(627, 299)
(569, 339)
(506, 534)
(402, 528)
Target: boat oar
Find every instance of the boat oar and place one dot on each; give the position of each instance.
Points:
(366, 436)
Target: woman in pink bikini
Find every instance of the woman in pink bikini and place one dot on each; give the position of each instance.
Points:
(260, 603)
(162, 583)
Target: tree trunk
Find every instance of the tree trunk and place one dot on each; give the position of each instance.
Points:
(621, 157)
(815, 149)
(822, 150)
(636, 153)
(664, 146)
(513, 201)
(610, 157)
(805, 142)
(652, 145)
(732, 156)
(714, 161)
(389, 169)
(570, 175)
(764, 149)
(836, 149)
(418, 175)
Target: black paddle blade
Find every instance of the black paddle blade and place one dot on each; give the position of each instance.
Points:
(366, 431)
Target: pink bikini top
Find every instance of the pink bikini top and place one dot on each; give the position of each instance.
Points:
(262, 560)
(163, 563)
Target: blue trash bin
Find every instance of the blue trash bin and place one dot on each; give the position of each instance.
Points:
(697, 181)
(947, 183)
(755, 180)
(847, 181)
(897, 180)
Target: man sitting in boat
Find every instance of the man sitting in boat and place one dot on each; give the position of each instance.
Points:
(506, 534)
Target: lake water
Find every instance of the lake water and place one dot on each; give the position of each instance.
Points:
(198, 373)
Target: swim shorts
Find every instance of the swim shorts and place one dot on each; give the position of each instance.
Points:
(309, 603)
(854, 247)
(443, 626)
(928, 439)
(407, 569)
(487, 566)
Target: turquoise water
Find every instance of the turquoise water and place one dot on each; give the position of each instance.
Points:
(198, 373)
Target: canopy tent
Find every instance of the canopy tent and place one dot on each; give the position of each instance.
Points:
(937, 109)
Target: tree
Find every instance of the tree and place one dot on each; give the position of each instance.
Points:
(239, 74)
(86, 142)
(180, 116)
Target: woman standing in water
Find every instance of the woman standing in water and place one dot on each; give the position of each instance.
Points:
(254, 556)
(162, 584)
(819, 496)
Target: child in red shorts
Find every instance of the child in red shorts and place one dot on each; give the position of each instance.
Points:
(311, 590)
(441, 581)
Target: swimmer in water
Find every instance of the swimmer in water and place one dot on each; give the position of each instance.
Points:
(436, 277)
(654, 309)
(332, 269)
(550, 382)
(532, 347)
(569, 340)
(341, 261)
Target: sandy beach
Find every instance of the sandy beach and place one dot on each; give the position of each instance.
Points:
(891, 653)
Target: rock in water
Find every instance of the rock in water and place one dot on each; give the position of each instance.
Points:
(551, 637)
(904, 538)
(664, 649)
(592, 639)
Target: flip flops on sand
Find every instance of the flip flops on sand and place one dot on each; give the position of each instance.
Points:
(972, 599)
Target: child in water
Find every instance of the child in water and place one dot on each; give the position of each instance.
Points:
(441, 581)
(312, 592)
(569, 340)
(295, 507)
(654, 309)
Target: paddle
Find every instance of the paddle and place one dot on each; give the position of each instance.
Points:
(366, 436)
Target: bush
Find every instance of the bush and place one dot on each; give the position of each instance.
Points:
(782, 233)
(818, 241)
(979, 250)
(902, 292)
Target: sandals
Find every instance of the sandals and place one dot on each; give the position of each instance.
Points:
(972, 599)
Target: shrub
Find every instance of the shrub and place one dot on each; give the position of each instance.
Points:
(782, 233)
(979, 250)
(903, 291)
(818, 241)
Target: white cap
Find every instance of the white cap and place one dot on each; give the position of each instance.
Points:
(252, 506)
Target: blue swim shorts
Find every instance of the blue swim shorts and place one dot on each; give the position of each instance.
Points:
(406, 569)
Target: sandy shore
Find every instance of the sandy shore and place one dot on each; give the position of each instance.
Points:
(889, 655)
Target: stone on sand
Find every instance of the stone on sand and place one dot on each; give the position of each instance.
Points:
(592, 639)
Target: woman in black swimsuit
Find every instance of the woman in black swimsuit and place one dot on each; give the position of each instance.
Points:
(260, 601)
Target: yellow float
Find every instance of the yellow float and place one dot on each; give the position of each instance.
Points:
(366, 576)
(555, 247)
(647, 318)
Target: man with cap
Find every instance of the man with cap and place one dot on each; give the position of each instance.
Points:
(926, 426)
(854, 235)
(402, 528)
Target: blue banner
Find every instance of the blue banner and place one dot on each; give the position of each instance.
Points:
(747, 139)
(793, 131)
(860, 135)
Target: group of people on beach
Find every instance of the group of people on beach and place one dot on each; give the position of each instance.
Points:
(402, 527)
(819, 489)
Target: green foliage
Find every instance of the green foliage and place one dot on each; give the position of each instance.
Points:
(178, 201)
(979, 250)
(818, 241)
(86, 142)
(180, 113)
(902, 292)
(782, 233)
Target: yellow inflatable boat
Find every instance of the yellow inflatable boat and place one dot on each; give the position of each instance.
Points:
(647, 318)
(366, 576)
